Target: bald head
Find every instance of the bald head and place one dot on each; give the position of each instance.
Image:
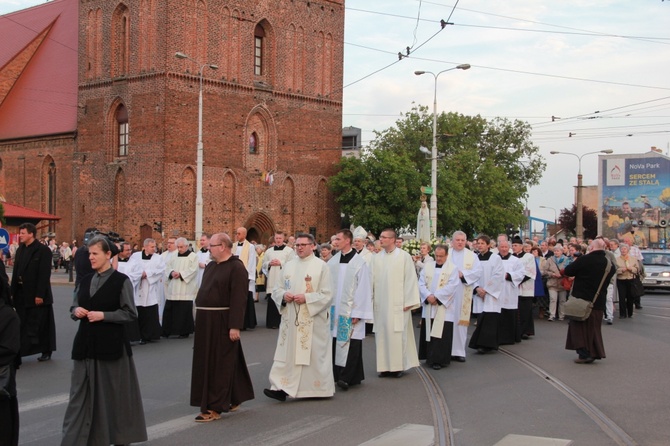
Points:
(241, 234)
(597, 245)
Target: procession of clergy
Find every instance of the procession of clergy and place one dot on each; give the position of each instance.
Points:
(321, 309)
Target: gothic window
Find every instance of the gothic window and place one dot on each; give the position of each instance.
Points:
(121, 40)
(123, 130)
(253, 143)
(259, 40)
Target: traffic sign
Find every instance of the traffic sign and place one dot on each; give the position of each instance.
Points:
(4, 238)
(426, 190)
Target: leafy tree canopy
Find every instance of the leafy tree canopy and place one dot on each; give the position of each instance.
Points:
(568, 221)
(484, 172)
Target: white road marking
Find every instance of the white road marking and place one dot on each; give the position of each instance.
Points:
(42, 403)
(292, 432)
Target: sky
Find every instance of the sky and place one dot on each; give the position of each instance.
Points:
(601, 68)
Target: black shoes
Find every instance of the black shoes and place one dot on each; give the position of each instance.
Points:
(436, 367)
(458, 358)
(44, 357)
(588, 360)
(278, 395)
(391, 374)
(343, 385)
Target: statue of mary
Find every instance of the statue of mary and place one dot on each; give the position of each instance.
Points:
(423, 222)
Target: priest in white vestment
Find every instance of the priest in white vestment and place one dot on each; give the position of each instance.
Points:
(247, 254)
(469, 272)
(203, 256)
(352, 306)
(360, 240)
(303, 362)
(395, 292)
(526, 288)
(438, 285)
(131, 269)
(486, 300)
(167, 255)
(509, 330)
(148, 292)
(181, 273)
(273, 261)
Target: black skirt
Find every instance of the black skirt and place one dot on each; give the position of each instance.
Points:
(178, 318)
(352, 373)
(438, 350)
(486, 333)
(509, 330)
(272, 316)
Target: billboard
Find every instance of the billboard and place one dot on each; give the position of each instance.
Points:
(635, 198)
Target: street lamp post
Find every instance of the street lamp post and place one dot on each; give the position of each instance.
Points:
(580, 215)
(199, 158)
(553, 209)
(433, 160)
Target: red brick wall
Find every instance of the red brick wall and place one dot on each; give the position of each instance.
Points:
(300, 131)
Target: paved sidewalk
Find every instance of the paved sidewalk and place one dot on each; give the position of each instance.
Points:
(59, 277)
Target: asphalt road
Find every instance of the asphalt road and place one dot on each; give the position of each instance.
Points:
(489, 397)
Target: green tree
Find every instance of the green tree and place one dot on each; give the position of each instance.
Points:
(376, 189)
(568, 221)
(484, 171)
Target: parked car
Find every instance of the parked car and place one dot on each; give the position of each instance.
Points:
(657, 268)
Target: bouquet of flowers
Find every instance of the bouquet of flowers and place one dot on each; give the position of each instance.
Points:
(413, 247)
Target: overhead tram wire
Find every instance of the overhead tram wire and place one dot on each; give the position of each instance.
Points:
(443, 22)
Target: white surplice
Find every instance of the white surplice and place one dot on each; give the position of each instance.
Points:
(186, 287)
(527, 288)
(492, 281)
(303, 361)
(467, 263)
(150, 289)
(247, 254)
(352, 298)
(509, 295)
(394, 288)
(203, 257)
(132, 269)
(272, 273)
(443, 283)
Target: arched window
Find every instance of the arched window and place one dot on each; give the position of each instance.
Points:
(253, 143)
(259, 38)
(123, 130)
(120, 41)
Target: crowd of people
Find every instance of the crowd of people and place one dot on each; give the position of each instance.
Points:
(322, 300)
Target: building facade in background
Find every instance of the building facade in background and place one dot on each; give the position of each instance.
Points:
(271, 118)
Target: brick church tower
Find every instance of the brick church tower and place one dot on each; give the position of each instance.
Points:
(271, 117)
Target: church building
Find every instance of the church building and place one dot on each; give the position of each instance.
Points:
(99, 115)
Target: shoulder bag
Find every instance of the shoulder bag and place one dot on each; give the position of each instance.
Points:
(636, 287)
(577, 309)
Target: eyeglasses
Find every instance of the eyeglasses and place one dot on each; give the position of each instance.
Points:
(211, 246)
(301, 245)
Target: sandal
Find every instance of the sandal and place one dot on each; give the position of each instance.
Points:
(234, 407)
(207, 417)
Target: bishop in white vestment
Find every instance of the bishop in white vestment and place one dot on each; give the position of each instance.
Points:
(303, 364)
(395, 292)
(438, 285)
(352, 306)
